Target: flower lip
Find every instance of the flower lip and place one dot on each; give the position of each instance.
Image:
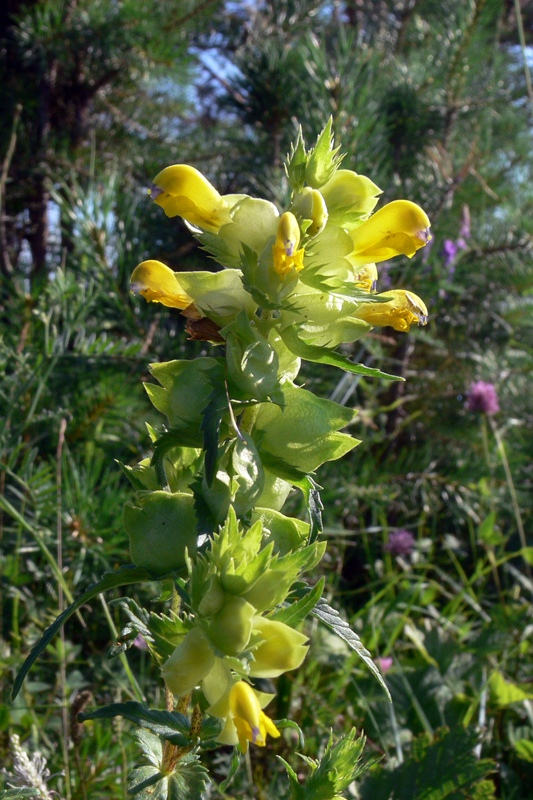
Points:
(421, 311)
(424, 235)
(154, 191)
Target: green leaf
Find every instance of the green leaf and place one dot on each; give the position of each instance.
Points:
(290, 723)
(524, 749)
(142, 779)
(248, 469)
(442, 766)
(333, 773)
(303, 434)
(151, 746)
(19, 792)
(504, 693)
(323, 160)
(330, 617)
(296, 612)
(323, 355)
(212, 416)
(189, 780)
(120, 577)
(171, 725)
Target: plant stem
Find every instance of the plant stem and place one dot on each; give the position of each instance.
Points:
(512, 491)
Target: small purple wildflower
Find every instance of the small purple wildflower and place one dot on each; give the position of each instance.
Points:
(483, 397)
(384, 663)
(401, 543)
(140, 642)
(449, 251)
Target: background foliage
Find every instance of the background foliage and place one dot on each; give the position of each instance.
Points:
(432, 102)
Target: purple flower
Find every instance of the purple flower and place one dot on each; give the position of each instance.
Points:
(483, 397)
(140, 642)
(384, 663)
(400, 543)
(449, 251)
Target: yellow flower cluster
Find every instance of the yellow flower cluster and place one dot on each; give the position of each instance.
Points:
(329, 233)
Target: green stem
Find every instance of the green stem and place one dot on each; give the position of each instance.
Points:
(512, 491)
(131, 677)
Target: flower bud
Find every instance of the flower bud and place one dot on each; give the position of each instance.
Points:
(191, 661)
(310, 204)
(349, 197)
(230, 628)
(283, 648)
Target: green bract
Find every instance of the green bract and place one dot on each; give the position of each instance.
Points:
(161, 529)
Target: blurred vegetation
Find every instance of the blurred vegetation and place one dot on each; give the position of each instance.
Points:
(430, 100)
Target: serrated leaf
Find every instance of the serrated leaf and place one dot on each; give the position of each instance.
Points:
(323, 355)
(171, 725)
(150, 745)
(330, 617)
(142, 779)
(189, 780)
(441, 766)
(120, 577)
(212, 416)
(296, 612)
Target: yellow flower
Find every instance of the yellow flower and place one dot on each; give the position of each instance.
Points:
(240, 706)
(251, 723)
(400, 312)
(182, 191)
(159, 284)
(281, 650)
(286, 253)
(399, 228)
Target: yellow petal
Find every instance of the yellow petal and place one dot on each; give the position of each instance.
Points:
(400, 312)
(182, 191)
(159, 284)
(399, 228)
